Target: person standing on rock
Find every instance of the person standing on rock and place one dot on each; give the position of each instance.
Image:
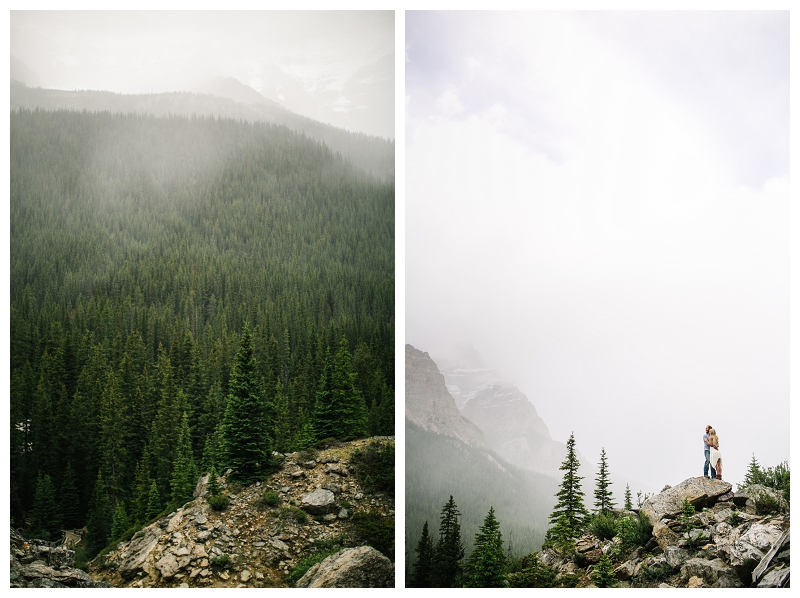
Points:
(707, 452)
(714, 454)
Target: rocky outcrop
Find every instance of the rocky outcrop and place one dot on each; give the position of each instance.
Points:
(255, 542)
(430, 406)
(719, 546)
(700, 492)
(40, 564)
(362, 567)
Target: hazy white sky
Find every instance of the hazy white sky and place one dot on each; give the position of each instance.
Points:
(160, 51)
(599, 202)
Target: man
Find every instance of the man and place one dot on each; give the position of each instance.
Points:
(707, 451)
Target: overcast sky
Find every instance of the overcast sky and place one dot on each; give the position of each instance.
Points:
(161, 51)
(599, 203)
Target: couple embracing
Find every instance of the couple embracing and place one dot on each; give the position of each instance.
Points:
(713, 456)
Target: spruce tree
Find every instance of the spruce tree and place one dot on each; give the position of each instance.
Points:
(69, 499)
(120, 524)
(486, 565)
(45, 516)
(603, 574)
(184, 471)
(568, 515)
(753, 475)
(153, 502)
(422, 577)
(628, 498)
(245, 430)
(98, 523)
(449, 550)
(603, 500)
(141, 490)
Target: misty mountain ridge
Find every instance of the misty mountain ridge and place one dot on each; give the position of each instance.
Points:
(374, 155)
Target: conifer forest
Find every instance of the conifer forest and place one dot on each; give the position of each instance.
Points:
(187, 294)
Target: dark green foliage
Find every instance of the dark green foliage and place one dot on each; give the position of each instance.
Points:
(449, 551)
(304, 564)
(69, 500)
(634, 531)
(376, 530)
(485, 567)
(222, 561)
(579, 559)
(45, 517)
(271, 498)
(375, 462)
(245, 429)
(422, 577)
(213, 483)
(687, 513)
(603, 574)
(533, 574)
(154, 505)
(603, 526)
(99, 521)
(140, 246)
(603, 500)
(339, 411)
(567, 518)
(298, 515)
(628, 499)
(777, 478)
(651, 576)
(735, 519)
(219, 502)
(184, 471)
(120, 524)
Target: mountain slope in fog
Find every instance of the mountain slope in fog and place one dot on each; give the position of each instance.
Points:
(372, 154)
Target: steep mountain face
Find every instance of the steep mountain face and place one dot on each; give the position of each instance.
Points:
(430, 406)
(513, 428)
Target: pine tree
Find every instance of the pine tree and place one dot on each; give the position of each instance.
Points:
(339, 411)
(449, 550)
(568, 515)
(153, 502)
(753, 475)
(45, 516)
(603, 574)
(628, 498)
(184, 471)
(281, 425)
(120, 524)
(422, 576)
(603, 500)
(141, 489)
(69, 499)
(98, 523)
(305, 437)
(246, 435)
(486, 564)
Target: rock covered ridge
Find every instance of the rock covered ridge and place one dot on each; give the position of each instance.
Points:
(41, 564)
(430, 406)
(255, 544)
(726, 543)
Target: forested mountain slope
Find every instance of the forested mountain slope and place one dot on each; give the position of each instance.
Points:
(142, 248)
(373, 154)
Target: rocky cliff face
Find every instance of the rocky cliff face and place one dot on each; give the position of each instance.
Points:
(430, 406)
(733, 540)
(256, 543)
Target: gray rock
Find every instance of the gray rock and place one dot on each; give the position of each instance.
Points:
(757, 492)
(336, 468)
(298, 474)
(700, 492)
(775, 578)
(138, 552)
(335, 488)
(310, 464)
(167, 565)
(713, 572)
(756, 541)
(676, 556)
(362, 567)
(664, 535)
(319, 502)
(344, 514)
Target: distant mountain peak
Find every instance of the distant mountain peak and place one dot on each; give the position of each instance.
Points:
(231, 88)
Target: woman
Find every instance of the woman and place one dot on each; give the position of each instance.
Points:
(715, 457)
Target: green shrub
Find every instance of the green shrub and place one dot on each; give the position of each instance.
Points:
(735, 519)
(579, 559)
(222, 561)
(376, 530)
(603, 574)
(304, 564)
(634, 531)
(766, 503)
(532, 574)
(299, 515)
(271, 498)
(657, 574)
(603, 526)
(219, 502)
(374, 466)
(568, 580)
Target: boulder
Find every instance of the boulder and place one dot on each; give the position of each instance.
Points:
(664, 535)
(138, 552)
(714, 573)
(676, 556)
(700, 492)
(362, 567)
(319, 502)
(756, 493)
(776, 578)
(754, 543)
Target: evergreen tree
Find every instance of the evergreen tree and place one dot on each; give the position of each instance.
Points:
(213, 483)
(603, 500)
(120, 524)
(628, 498)
(568, 515)
(422, 577)
(184, 472)
(153, 502)
(603, 574)
(98, 523)
(245, 431)
(281, 430)
(449, 550)
(70, 499)
(753, 475)
(486, 564)
(141, 490)
(45, 517)
(306, 437)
